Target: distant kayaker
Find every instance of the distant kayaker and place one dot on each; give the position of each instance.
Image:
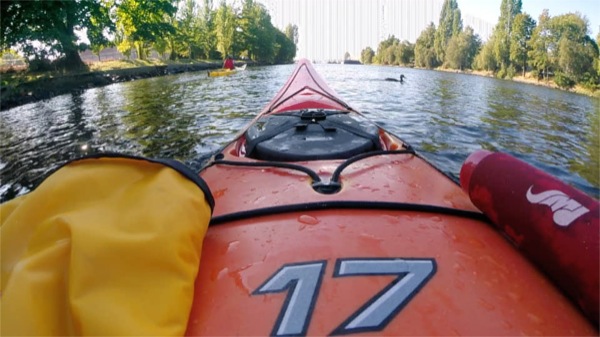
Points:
(228, 64)
(395, 80)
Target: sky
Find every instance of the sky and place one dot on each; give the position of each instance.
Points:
(328, 29)
(489, 10)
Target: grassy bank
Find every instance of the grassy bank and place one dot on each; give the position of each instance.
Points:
(529, 78)
(22, 86)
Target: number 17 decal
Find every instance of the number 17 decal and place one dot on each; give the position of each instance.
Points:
(302, 281)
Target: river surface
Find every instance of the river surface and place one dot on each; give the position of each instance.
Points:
(445, 116)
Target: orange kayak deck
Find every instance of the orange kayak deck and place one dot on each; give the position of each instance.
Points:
(479, 284)
(474, 281)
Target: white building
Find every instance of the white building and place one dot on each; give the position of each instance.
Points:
(327, 29)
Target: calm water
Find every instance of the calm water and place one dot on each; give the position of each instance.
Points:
(445, 116)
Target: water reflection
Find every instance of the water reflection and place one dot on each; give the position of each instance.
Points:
(81, 134)
(587, 163)
(110, 129)
(502, 113)
(445, 116)
(38, 138)
(156, 121)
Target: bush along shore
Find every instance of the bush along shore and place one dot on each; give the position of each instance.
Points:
(20, 88)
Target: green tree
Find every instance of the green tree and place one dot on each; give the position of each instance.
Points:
(522, 29)
(44, 28)
(100, 27)
(367, 55)
(173, 41)
(264, 32)
(143, 23)
(225, 26)
(450, 25)
(561, 45)
(576, 51)
(509, 9)
(285, 48)
(539, 44)
(425, 55)
(384, 53)
(206, 32)
(388, 56)
(99, 45)
(189, 40)
(183, 42)
(405, 53)
(474, 45)
(597, 60)
(291, 32)
(485, 59)
(571, 26)
(462, 49)
(258, 36)
(247, 25)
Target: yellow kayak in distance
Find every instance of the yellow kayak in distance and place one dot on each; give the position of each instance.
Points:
(225, 72)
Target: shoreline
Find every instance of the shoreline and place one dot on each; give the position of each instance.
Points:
(49, 85)
(577, 89)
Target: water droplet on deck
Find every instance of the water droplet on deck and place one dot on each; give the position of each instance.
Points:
(534, 318)
(232, 246)
(219, 193)
(463, 256)
(507, 324)
(514, 296)
(486, 305)
(307, 219)
(222, 273)
(240, 279)
(393, 220)
(459, 267)
(370, 238)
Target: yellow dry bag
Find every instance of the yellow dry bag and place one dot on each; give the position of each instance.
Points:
(108, 245)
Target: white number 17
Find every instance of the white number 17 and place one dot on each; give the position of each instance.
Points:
(302, 281)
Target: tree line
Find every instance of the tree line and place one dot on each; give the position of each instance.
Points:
(557, 47)
(48, 30)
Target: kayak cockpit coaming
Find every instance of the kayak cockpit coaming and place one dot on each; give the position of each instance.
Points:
(313, 134)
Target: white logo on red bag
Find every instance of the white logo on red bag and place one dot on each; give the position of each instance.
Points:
(565, 209)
